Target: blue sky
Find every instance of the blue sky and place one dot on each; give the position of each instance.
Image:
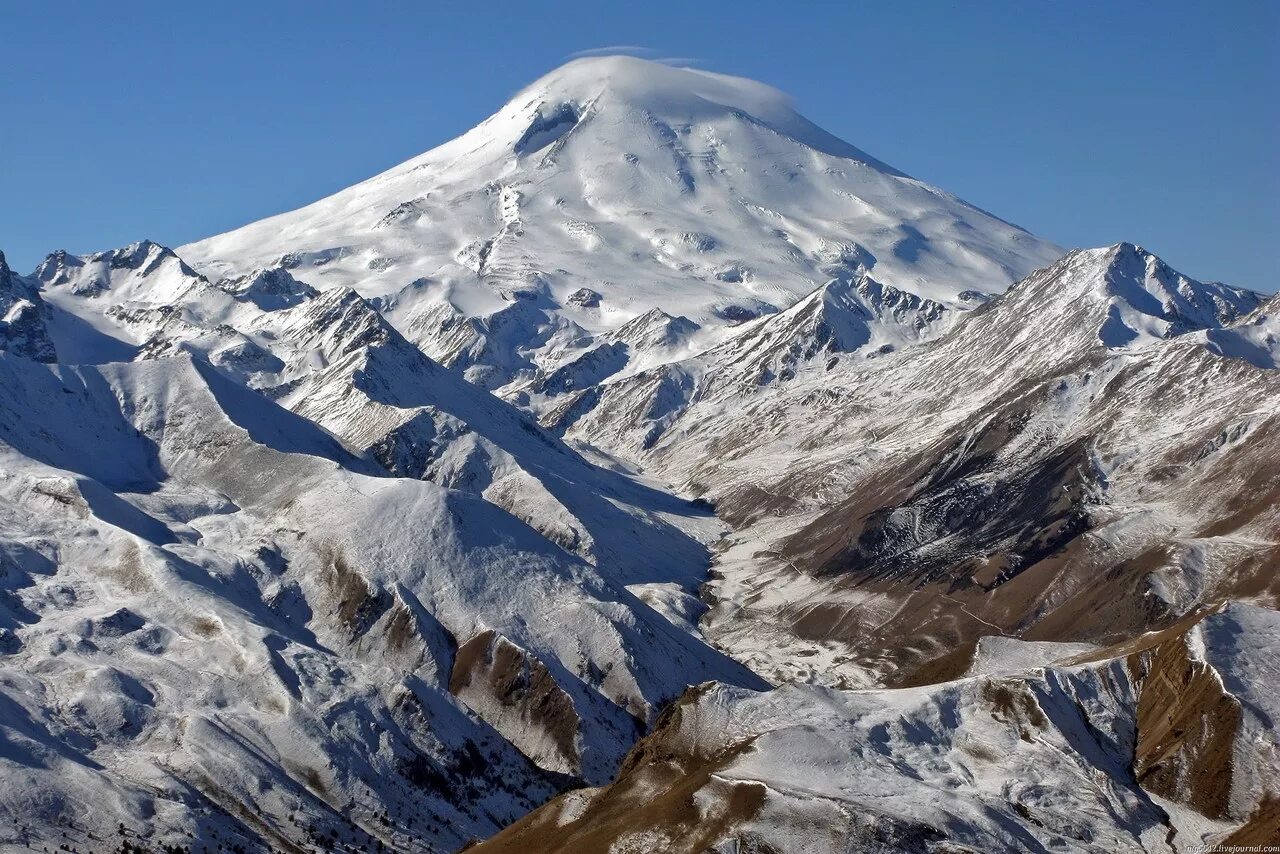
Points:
(1085, 122)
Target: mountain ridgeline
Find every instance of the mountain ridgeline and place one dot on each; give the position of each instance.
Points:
(645, 469)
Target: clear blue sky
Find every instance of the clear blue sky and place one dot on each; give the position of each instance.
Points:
(1086, 122)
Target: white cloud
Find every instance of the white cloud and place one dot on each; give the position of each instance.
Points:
(678, 61)
(614, 50)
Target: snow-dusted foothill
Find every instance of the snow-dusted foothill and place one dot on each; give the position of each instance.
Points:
(1032, 759)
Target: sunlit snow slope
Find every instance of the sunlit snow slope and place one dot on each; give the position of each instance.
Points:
(614, 186)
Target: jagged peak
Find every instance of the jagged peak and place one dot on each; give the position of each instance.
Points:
(135, 255)
(9, 281)
(344, 320)
(1128, 295)
(144, 257)
(57, 267)
(23, 331)
(12, 286)
(656, 316)
(269, 288)
(842, 315)
(861, 296)
(339, 299)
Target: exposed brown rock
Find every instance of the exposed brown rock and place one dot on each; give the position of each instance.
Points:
(400, 627)
(1187, 723)
(1012, 703)
(1187, 726)
(359, 604)
(518, 696)
(654, 795)
(1262, 828)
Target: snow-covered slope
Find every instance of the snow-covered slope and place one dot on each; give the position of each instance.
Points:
(1041, 760)
(331, 357)
(210, 601)
(891, 507)
(611, 187)
(1255, 337)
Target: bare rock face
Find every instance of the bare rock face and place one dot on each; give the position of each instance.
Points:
(23, 315)
(666, 792)
(1187, 730)
(1205, 737)
(585, 298)
(519, 697)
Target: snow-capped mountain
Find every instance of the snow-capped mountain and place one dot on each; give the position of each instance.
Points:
(24, 327)
(368, 526)
(176, 499)
(1039, 470)
(612, 187)
(210, 600)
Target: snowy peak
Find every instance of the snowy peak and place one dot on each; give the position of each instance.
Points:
(611, 186)
(23, 329)
(334, 324)
(145, 257)
(1147, 284)
(270, 289)
(677, 97)
(143, 270)
(57, 268)
(1129, 296)
(842, 316)
(654, 328)
(654, 336)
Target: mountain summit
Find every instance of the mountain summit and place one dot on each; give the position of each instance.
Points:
(626, 84)
(703, 195)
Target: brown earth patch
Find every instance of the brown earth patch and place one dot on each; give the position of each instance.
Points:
(206, 627)
(1262, 828)
(654, 794)
(489, 669)
(944, 668)
(401, 627)
(1012, 703)
(359, 604)
(1187, 723)
(1187, 726)
(129, 571)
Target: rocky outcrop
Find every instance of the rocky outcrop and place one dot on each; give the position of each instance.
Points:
(23, 316)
